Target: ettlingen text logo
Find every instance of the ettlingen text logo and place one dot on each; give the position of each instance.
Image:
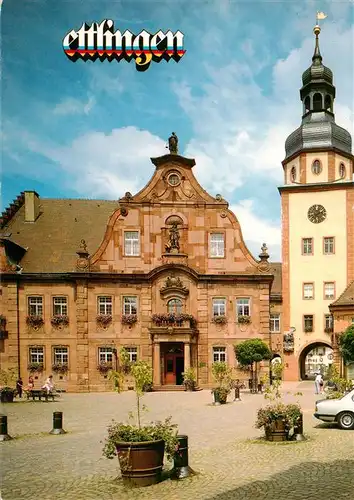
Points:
(99, 41)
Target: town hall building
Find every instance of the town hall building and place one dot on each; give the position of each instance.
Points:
(166, 273)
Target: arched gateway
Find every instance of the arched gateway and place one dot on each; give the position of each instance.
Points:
(314, 356)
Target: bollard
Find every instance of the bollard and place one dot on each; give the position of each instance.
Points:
(237, 394)
(299, 430)
(3, 429)
(181, 468)
(57, 423)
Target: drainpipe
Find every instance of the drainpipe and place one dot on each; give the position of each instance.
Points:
(18, 326)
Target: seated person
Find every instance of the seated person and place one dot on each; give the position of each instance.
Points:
(49, 385)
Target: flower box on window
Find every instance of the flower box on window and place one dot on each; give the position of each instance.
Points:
(329, 329)
(172, 319)
(243, 319)
(104, 367)
(129, 319)
(219, 320)
(308, 329)
(34, 321)
(35, 367)
(104, 320)
(59, 320)
(60, 367)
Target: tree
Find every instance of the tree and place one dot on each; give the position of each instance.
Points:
(346, 345)
(249, 353)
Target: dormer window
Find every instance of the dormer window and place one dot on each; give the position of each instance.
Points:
(293, 174)
(316, 167)
(342, 170)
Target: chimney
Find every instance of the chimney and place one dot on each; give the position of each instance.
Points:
(31, 206)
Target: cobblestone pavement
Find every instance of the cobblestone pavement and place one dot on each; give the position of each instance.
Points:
(232, 463)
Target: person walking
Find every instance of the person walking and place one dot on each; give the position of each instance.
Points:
(318, 384)
(19, 387)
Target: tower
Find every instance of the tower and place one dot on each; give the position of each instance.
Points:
(317, 201)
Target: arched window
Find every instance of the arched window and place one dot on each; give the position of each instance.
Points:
(293, 174)
(316, 167)
(174, 306)
(317, 102)
(342, 170)
(307, 104)
(328, 103)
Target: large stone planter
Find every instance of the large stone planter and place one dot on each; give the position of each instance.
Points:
(7, 397)
(276, 431)
(141, 463)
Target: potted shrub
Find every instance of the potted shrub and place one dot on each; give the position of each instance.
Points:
(35, 367)
(190, 379)
(35, 321)
(248, 354)
(278, 418)
(60, 368)
(104, 320)
(124, 361)
(59, 320)
(243, 319)
(7, 394)
(219, 320)
(129, 319)
(222, 375)
(140, 448)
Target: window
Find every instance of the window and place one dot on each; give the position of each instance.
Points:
(316, 167)
(328, 322)
(130, 305)
(60, 306)
(174, 306)
(173, 179)
(219, 307)
(217, 245)
(307, 246)
(105, 306)
(61, 356)
(342, 170)
(36, 355)
(35, 306)
(308, 323)
(105, 355)
(308, 291)
(133, 353)
(328, 245)
(219, 354)
(274, 324)
(131, 243)
(329, 290)
(243, 307)
(293, 174)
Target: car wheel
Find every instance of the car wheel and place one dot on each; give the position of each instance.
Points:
(346, 420)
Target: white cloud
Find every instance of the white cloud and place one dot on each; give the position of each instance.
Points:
(71, 106)
(256, 230)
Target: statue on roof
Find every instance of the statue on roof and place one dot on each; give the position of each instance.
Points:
(173, 144)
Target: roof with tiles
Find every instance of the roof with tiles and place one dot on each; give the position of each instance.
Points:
(347, 297)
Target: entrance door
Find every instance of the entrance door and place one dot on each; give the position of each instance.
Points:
(170, 369)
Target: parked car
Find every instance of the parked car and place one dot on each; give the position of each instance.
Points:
(337, 410)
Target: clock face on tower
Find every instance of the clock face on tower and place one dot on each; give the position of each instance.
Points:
(316, 214)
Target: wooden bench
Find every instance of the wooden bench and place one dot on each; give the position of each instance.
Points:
(41, 393)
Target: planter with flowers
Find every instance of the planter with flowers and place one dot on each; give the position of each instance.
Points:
(243, 319)
(60, 320)
(35, 367)
(34, 321)
(140, 448)
(129, 319)
(104, 320)
(104, 367)
(219, 320)
(61, 368)
(223, 377)
(172, 319)
(7, 379)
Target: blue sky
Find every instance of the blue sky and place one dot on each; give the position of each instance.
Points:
(87, 130)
